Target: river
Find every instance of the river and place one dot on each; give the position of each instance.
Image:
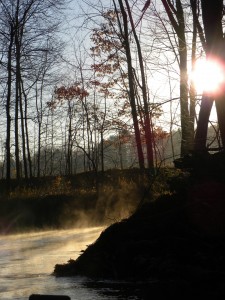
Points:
(27, 261)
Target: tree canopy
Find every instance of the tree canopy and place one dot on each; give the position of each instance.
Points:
(74, 74)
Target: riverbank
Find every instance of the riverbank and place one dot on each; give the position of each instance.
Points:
(81, 200)
(175, 245)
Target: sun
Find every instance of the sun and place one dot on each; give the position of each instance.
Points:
(208, 76)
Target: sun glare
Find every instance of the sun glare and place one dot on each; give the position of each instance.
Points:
(208, 76)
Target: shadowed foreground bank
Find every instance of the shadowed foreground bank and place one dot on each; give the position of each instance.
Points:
(175, 245)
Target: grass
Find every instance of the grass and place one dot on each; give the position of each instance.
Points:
(64, 202)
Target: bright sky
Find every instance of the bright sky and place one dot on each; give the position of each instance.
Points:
(208, 76)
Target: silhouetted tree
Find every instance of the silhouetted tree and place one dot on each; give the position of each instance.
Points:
(212, 13)
(25, 26)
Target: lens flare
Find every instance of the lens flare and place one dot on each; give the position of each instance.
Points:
(208, 76)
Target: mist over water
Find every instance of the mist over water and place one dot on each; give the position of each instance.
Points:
(78, 208)
(27, 262)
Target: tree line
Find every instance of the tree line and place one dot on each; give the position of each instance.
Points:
(53, 100)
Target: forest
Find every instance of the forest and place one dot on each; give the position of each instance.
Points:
(114, 85)
(118, 106)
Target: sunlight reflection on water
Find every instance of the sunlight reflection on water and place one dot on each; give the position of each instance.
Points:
(27, 261)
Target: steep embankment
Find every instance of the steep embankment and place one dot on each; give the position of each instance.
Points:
(175, 244)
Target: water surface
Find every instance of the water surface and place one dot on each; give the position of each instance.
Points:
(27, 261)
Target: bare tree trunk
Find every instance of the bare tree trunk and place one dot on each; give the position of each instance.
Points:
(19, 99)
(202, 126)
(102, 137)
(17, 156)
(8, 106)
(147, 119)
(125, 35)
(52, 143)
(185, 121)
(23, 134)
(27, 132)
(192, 91)
(69, 143)
(102, 152)
(206, 102)
(179, 26)
(39, 120)
(88, 132)
(212, 12)
(17, 94)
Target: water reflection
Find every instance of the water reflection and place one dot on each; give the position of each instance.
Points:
(27, 260)
(115, 290)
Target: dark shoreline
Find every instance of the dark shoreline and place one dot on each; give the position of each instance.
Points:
(177, 242)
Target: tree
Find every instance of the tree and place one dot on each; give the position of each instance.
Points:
(212, 41)
(147, 119)
(109, 78)
(70, 94)
(212, 13)
(25, 26)
(177, 20)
